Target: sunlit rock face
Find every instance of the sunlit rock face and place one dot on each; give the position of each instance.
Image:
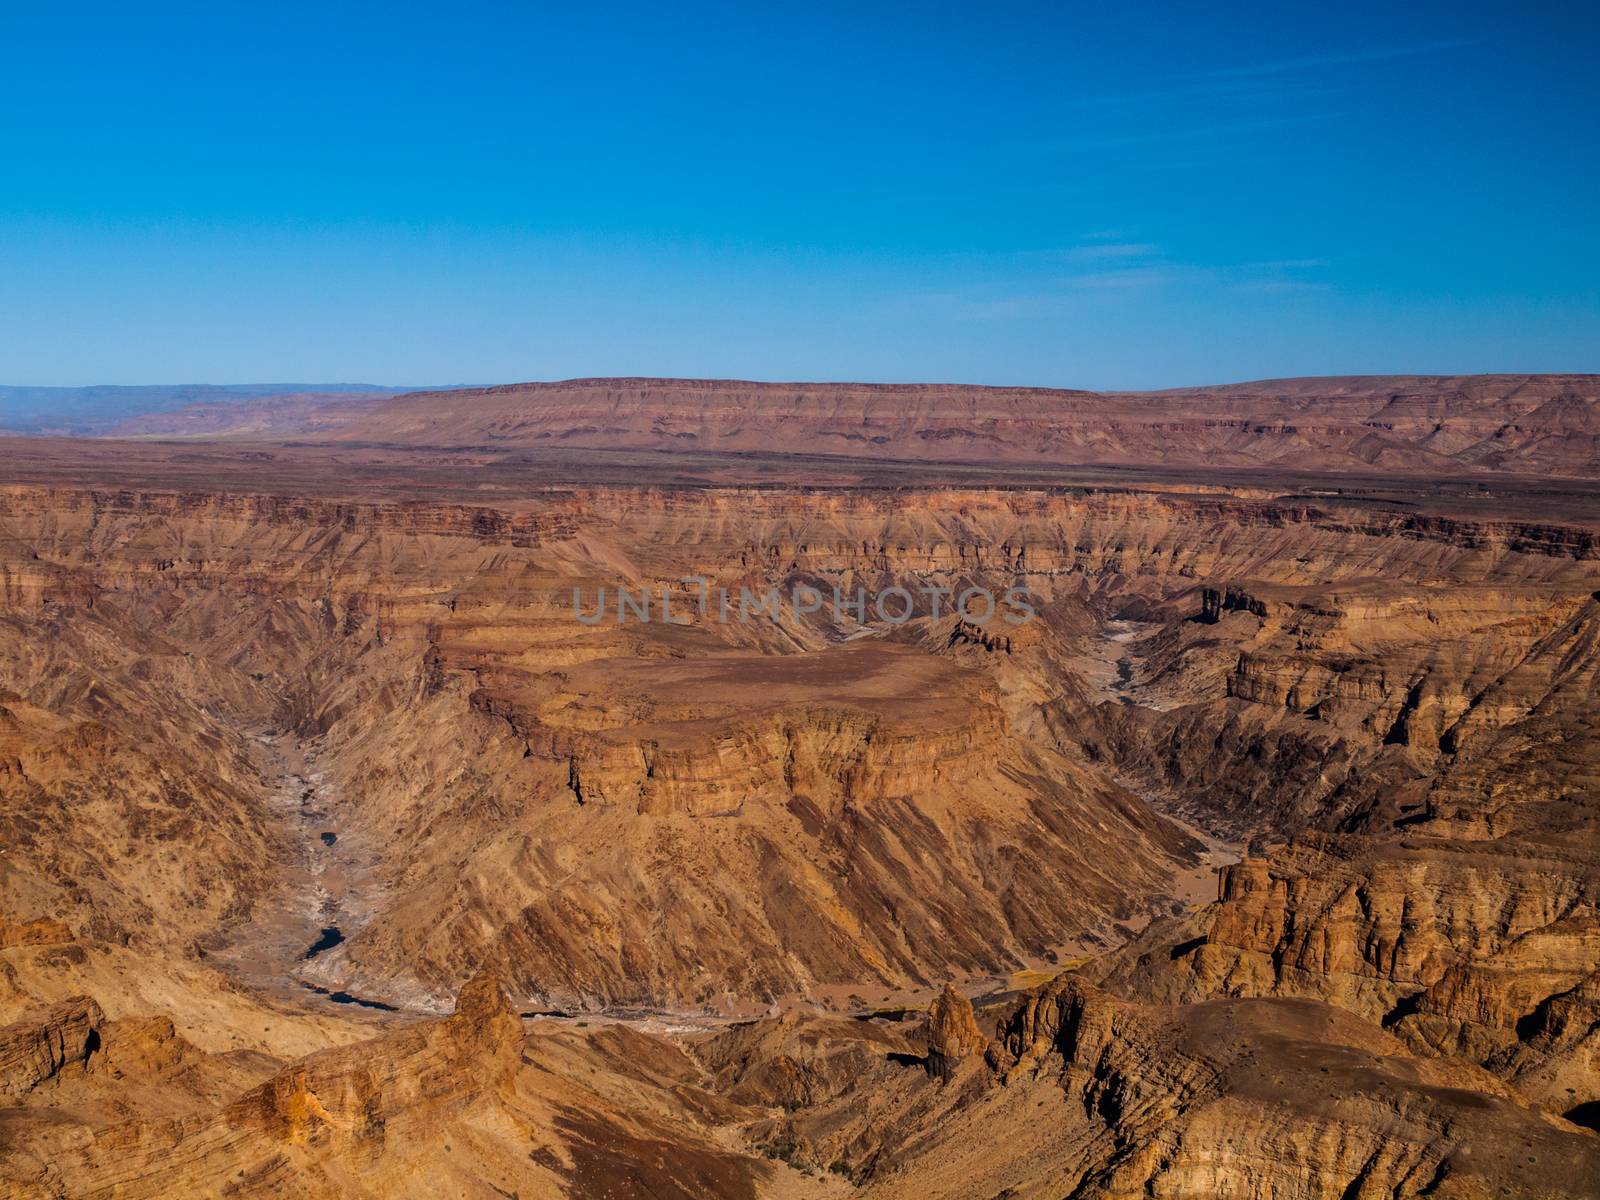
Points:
(344, 851)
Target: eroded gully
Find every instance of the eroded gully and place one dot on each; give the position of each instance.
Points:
(328, 891)
(289, 946)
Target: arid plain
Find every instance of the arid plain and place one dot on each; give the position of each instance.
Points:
(343, 855)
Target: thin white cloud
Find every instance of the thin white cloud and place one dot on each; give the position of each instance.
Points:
(1100, 250)
(1286, 264)
(1317, 62)
(1280, 287)
(1149, 275)
(1034, 284)
(1277, 276)
(1222, 91)
(1194, 132)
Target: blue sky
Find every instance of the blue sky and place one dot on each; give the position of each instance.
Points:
(1078, 195)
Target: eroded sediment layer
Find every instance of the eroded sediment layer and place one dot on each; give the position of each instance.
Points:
(1394, 990)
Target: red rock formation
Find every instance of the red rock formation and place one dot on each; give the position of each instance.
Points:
(953, 1034)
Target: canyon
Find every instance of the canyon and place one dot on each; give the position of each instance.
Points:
(348, 851)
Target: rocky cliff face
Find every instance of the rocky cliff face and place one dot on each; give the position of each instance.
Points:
(1074, 1091)
(1200, 1099)
(290, 776)
(875, 797)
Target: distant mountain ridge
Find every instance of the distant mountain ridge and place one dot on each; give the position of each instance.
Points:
(98, 408)
(1430, 425)
(1425, 424)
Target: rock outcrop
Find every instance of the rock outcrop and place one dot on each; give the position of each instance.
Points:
(355, 1092)
(1272, 1097)
(356, 1121)
(38, 1048)
(953, 1035)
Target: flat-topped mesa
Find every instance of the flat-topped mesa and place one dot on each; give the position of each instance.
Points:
(1396, 424)
(833, 754)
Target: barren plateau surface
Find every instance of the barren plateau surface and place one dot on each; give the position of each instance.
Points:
(1436, 425)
